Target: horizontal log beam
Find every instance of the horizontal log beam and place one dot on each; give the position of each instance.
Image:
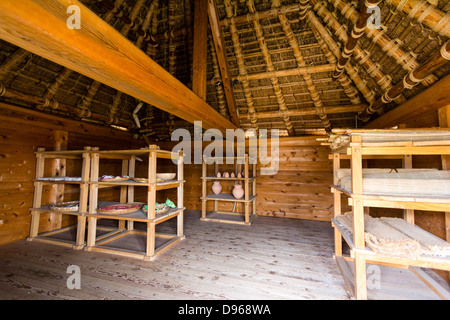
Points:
(100, 52)
(289, 72)
(309, 111)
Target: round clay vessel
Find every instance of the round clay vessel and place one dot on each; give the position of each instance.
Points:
(238, 192)
(239, 175)
(232, 175)
(216, 187)
(218, 175)
(226, 175)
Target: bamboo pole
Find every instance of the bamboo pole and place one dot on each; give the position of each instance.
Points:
(392, 47)
(332, 51)
(411, 80)
(216, 78)
(361, 56)
(289, 72)
(189, 38)
(284, 112)
(357, 32)
(425, 13)
(241, 65)
(151, 47)
(301, 63)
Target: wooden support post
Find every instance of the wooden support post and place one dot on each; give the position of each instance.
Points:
(151, 195)
(84, 191)
(200, 48)
(180, 193)
(37, 199)
(408, 214)
(358, 219)
(204, 183)
(58, 169)
(337, 205)
(246, 191)
(221, 59)
(444, 122)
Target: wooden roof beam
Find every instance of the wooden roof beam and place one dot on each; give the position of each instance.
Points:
(222, 60)
(101, 53)
(357, 31)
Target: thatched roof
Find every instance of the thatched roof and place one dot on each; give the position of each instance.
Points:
(280, 99)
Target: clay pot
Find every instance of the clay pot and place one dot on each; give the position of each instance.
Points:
(238, 192)
(232, 175)
(226, 175)
(216, 187)
(218, 175)
(239, 175)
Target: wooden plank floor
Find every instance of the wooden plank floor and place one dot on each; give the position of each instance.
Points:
(273, 259)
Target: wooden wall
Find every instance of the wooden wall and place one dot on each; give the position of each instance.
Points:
(300, 188)
(22, 131)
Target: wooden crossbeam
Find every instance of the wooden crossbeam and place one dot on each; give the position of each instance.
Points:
(310, 111)
(100, 52)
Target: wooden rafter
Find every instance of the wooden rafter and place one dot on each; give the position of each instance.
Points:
(361, 56)
(357, 31)
(101, 53)
(200, 48)
(388, 45)
(241, 64)
(217, 79)
(222, 61)
(327, 44)
(353, 108)
(284, 112)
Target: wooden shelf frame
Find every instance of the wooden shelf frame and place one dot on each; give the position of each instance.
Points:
(360, 255)
(38, 208)
(128, 157)
(249, 199)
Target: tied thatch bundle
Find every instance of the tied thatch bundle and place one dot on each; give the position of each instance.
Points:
(383, 238)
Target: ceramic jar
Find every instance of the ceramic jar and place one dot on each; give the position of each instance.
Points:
(216, 187)
(226, 175)
(238, 191)
(219, 175)
(232, 175)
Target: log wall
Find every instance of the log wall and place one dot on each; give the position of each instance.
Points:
(22, 131)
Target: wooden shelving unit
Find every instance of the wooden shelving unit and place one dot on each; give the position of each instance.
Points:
(248, 200)
(71, 236)
(360, 255)
(145, 244)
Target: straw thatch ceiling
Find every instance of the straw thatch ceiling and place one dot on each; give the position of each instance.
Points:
(273, 87)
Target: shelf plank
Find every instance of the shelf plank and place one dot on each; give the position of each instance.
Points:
(227, 197)
(139, 215)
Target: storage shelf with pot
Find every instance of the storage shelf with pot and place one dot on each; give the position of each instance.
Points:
(124, 237)
(244, 191)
